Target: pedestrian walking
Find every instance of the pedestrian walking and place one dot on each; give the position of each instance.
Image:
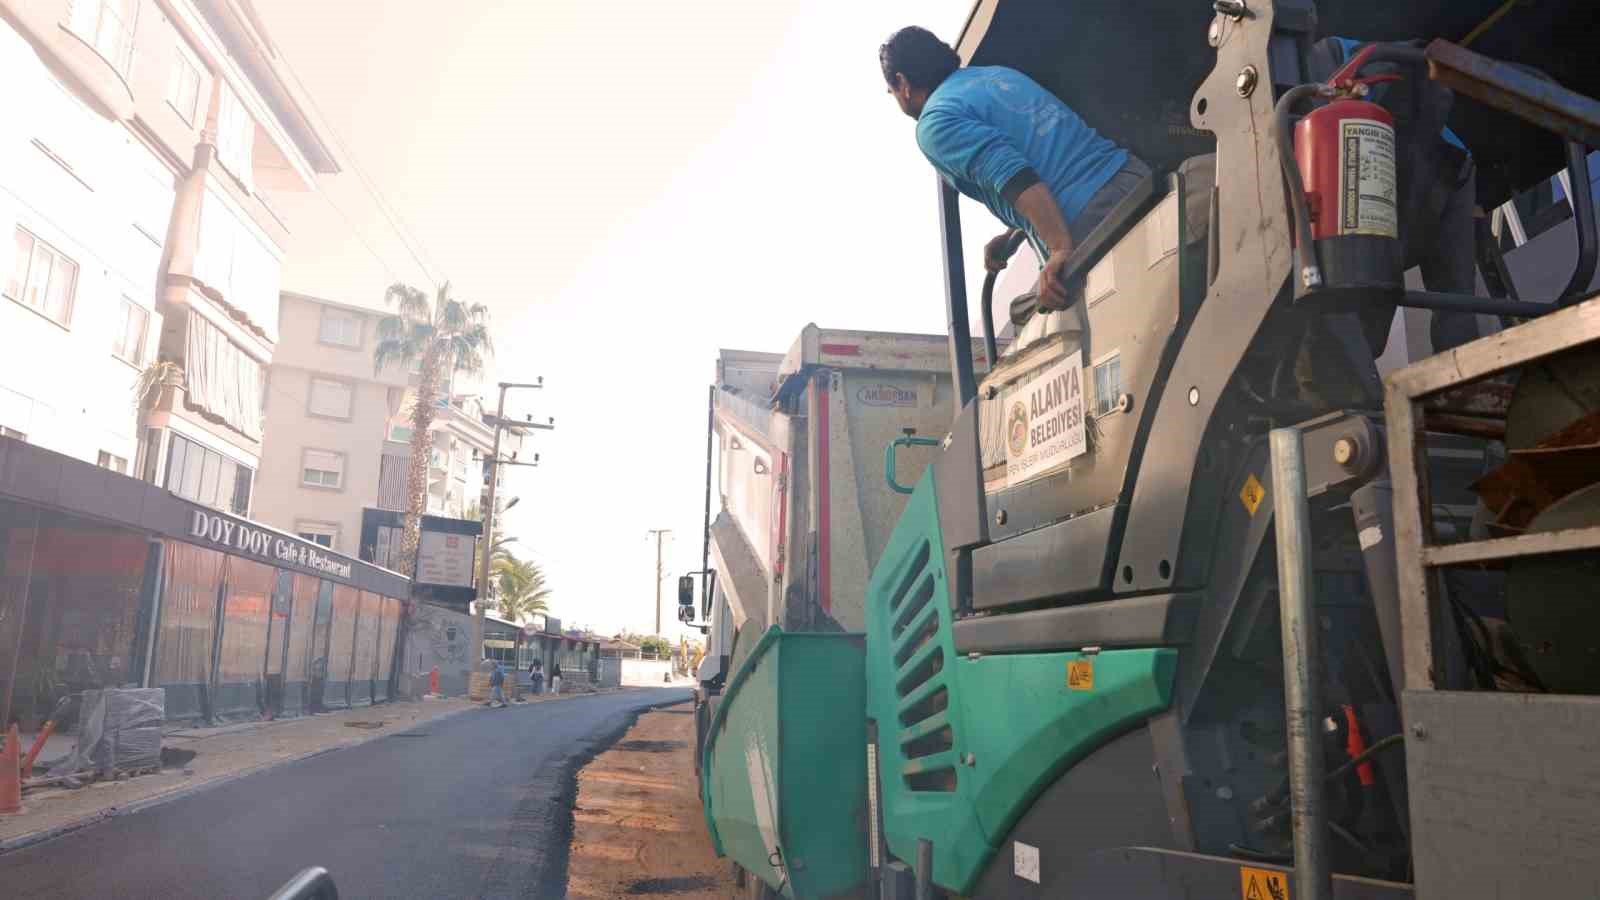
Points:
(536, 673)
(497, 680)
(555, 678)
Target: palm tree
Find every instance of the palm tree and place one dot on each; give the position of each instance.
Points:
(446, 336)
(522, 588)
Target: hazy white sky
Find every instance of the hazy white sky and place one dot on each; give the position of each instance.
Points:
(628, 186)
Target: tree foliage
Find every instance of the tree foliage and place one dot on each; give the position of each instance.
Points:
(445, 336)
(520, 588)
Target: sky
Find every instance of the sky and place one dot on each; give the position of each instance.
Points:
(628, 186)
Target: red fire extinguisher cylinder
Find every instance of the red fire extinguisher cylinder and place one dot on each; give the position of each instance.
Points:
(1346, 155)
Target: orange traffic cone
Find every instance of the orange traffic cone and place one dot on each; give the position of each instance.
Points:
(11, 774)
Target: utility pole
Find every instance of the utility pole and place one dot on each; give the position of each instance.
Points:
(659, 533)
(492, 469)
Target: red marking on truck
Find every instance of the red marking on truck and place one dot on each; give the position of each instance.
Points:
(825, 589)
(840, 349)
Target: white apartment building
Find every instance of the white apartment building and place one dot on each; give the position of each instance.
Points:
(338, 435)
(139, 140)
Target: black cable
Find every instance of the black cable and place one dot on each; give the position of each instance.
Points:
(1363, 756)
(1291, 173)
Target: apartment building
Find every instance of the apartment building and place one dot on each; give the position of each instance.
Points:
(338, 436)
(139, 143)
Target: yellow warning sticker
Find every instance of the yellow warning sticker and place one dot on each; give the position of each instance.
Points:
(1080, 674)
(1252, 494)
(1263, 884)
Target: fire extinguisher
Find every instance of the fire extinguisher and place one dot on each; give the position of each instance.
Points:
(1343, 185)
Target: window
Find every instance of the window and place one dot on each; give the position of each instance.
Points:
(198, 473)
(183, 88)
(392, 482)
(388, 548)
(323, 534)
(340, 328)
(151, 194)
(243, 478)
(107, 25)
(128, 344)
(236, 136)
(41, 278)
(113, 462)
(1108, 385)
(400, 433)
(330, 399)
(320, 468)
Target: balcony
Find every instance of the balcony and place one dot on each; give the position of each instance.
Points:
(92, 40)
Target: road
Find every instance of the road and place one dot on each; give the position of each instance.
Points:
(473, 805)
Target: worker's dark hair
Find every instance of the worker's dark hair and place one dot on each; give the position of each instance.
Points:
(920, 56)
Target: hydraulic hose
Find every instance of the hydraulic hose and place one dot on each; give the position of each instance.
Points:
(1310, 272)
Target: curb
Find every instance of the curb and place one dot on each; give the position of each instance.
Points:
(23, 841)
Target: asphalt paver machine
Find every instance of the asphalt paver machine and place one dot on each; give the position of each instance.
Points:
(1183, 608)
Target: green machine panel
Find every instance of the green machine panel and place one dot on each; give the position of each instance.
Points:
(785, 772)
(966, 745)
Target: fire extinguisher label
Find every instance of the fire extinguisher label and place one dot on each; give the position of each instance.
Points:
(1367, 179)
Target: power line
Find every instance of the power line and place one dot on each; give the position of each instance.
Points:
(403, 231)
(382, 263)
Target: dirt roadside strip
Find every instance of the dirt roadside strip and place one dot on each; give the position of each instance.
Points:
(638, 829)
(222, 754)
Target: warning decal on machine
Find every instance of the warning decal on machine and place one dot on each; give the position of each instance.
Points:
(1045, 420)
(1025, 861)
(1262, 884)
(1252, 494)
(1080, 674)
(1367, 179)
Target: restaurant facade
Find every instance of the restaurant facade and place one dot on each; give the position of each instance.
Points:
(109, 581)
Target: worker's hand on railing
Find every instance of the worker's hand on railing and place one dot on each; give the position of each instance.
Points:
(1001, 248)
(1052, 286)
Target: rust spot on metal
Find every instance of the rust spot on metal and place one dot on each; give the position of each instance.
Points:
(1536, 477)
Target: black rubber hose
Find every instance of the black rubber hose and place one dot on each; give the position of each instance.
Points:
(1291, 173)
(1278, 794)
(1377, 746)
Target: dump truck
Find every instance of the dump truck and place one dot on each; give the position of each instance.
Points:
(1195, 601)
(796, 446)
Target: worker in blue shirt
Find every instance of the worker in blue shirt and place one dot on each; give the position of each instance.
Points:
(998, 137)
(1439, 179)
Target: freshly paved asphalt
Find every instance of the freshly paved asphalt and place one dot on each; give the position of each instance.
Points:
(473, 805)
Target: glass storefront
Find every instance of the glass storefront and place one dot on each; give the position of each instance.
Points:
(188, 624)
(69, 608)
(366, 652)
(302, 616)
(341, 646)
(243, 649)
(287, 642)
(386, 643)
(87, 605)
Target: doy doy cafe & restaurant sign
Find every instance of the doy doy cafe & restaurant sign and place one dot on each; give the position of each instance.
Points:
(231, 534)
